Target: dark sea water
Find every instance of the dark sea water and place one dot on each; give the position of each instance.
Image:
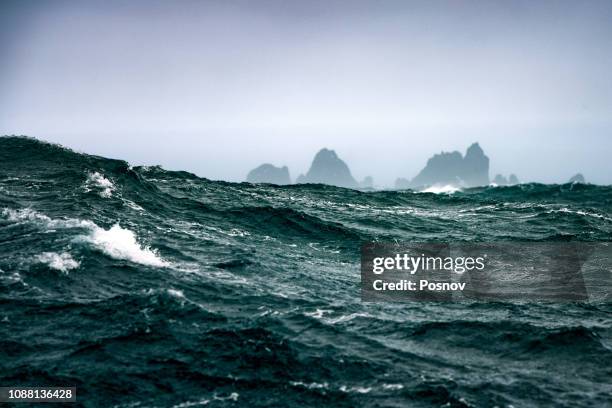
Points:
(144, 287)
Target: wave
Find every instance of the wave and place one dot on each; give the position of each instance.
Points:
(62, 262)
(117, 242)
(251, 292)
(446, 189)
(121, 243)
(96, 181)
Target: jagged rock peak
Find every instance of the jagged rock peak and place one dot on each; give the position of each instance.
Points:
(474, 151)
(577, 178)
(512, 180)
(402, 183)
(328, 168)
(455, 169)
(367, 182)
(268, 173)
(500, 180)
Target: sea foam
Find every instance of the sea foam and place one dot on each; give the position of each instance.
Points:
(121, 243)
(97, 181)
(116, 242)
(62, 262)
(447, 189)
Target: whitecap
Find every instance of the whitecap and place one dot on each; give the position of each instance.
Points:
(347, 318)
(187, 404)
(176, 293)
(393, 386)
(121, 243)
(579, 212)
(25, 214)
(310, 386)
(232, 397)
(97, 181)
(116, 242)
(447, 189)
(359, 390)
(318, 314)
(62, 262)
(133, 205)
(29, 215)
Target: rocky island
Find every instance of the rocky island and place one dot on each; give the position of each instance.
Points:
(453, 169)
(501, 180)
(328, 168)
(267, 173)
(577, 178)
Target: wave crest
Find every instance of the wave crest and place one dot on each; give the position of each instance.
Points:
(61, 262)
(96, 181)
(121, 243)
(447, 189)
(116, 242)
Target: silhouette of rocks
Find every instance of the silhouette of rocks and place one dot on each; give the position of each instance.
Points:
(367, 182)
(267, 173)
(513, 180)
(577, 178)
(455, 169)
(500, 180)
(402, 183)
(328, 168)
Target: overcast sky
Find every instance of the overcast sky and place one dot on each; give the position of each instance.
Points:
(219, 87)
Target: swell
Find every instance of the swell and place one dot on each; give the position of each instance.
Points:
(191, 291)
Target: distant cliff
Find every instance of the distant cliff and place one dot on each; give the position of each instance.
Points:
(454, 169)
(402, 183)
(267, 173)
(367, 183)
(501, 180)
(577, 178)
(328, 168)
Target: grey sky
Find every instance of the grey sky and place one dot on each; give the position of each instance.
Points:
(218, 87)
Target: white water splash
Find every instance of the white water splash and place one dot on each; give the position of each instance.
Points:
(447, 189)
(116, 242)
(97, 181)
(121, 243)
(62, 262)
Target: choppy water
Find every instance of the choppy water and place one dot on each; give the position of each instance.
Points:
(146, 287)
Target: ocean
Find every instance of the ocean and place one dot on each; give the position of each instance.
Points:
(144, 287)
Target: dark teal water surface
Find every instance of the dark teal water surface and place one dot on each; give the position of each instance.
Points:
(145, 287)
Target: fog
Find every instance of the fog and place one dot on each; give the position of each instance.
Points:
(219, 87)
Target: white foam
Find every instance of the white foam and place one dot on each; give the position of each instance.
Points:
(101, 183)
(176, 293)
(116, 242)
(25, 214)
(447, 189)
(61, 262)
(232, 397)
(187, 404)
(310, 386)
(121, 243)
(318, 314)
(578, 212)
(347, 318)
(28, 215)
(133, 205)
(359, 390)
(393, 386)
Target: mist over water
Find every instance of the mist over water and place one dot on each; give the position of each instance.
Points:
(135, 267)
(220, 87)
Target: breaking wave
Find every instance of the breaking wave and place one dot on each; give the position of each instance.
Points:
(62, 262)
